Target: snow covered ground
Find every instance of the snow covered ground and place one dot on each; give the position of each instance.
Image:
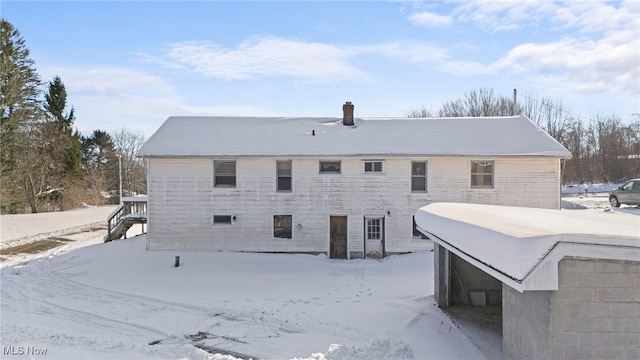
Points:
(95, 300)
(119, 301)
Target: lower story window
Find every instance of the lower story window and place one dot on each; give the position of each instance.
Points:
(283, 226)
(417, 234)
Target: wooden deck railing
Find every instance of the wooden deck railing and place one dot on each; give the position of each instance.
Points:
(132, 210)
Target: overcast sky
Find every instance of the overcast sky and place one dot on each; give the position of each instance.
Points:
(133, 64)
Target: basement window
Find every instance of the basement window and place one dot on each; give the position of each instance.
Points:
(330, 167)
(223, 219)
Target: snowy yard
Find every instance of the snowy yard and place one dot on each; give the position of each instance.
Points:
(119, 301)
(92, 300)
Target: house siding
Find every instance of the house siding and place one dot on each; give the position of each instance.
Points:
(182, 199)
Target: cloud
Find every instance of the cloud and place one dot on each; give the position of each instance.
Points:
(107, 79)
(597, 17)
(110, 97)
(406, 51)
(430, 20)
(496, 16)
(609, 64)
(269, 56)
(598, 53)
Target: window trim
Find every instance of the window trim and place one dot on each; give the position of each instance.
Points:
(339, 162)
(235, 174)
(290, 177)
(373, 171)
(273, 233)
(425, 176)
(493, 175)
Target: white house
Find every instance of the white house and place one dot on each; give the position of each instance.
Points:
(348, 187)
(567, 281)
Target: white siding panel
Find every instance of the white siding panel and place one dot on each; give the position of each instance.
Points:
(182, 200)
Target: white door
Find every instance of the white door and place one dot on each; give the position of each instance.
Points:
(374, 237)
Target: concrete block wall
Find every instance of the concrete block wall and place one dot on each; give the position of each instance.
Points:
(595, 314)
(526, 320)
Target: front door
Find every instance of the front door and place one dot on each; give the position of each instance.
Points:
(338, 237)
(374, 237)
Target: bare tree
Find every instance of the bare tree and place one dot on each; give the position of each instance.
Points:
(604, 149)
(482, 102)
(548, 113)
(421, 113)
(127, 143)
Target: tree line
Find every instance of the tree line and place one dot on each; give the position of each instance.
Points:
(603, 148)
(45, 163)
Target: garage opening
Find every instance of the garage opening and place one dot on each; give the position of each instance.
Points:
(472, 298)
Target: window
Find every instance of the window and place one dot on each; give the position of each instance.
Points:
(283, 170)
(482, 174)
(419, 176)
(374, 229)
(417, 234)
(628, 186)
(329, 167)
(222, 219)
(373, 166)
(282, 226)
(224, 173)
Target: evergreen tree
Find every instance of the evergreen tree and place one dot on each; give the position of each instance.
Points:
(19, 91)
(101, 164)
(56, 102)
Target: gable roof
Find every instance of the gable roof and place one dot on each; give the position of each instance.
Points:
(522, 246)
(183, 136)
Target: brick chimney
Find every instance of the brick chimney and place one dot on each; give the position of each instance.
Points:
(347, 110)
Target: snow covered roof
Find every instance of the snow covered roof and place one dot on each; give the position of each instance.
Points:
(522, 246)
(272, 136)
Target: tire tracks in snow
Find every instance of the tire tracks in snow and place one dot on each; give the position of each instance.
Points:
(136, 321)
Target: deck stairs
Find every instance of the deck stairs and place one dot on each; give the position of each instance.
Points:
(132, 210)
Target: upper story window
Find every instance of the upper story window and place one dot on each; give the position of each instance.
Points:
(373, 167)
(482, 174)
(330, 167)
(224, 173)
(419, 176)
(283, 170)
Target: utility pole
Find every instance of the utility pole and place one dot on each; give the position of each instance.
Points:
(515, 102)
(120, 175)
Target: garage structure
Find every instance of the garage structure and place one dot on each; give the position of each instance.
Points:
(568, 281)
